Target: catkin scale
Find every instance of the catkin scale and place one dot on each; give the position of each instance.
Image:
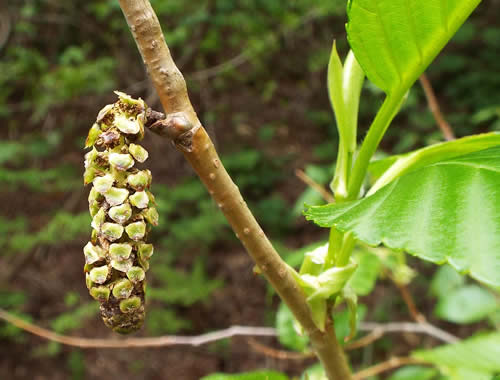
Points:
(122, 211)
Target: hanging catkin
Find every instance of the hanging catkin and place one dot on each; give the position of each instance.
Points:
(121, 207)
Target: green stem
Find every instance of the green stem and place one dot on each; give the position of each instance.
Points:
(334, 247)
(377, 130)
(346, 250)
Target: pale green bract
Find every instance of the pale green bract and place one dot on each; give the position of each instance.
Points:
(447, 211)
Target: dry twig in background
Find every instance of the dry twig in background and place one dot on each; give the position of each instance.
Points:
(316, 186)
(377, 330)
(392, 363)
(435, 109)
(161, 341)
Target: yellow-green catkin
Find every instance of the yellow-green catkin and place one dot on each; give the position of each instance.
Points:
(122, 211)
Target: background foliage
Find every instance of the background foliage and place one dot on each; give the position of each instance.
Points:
(256, 73)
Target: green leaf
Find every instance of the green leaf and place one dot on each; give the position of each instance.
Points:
(444, 212)
(315, 372)
(287, 335)
(445, 280)
(364, 278)
(256, 375)
(414, 373)
(396, 166)
(477, 354)
(395, 40)
(466, 304)
(467, 374)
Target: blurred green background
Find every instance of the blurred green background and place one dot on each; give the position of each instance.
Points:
(256, 74)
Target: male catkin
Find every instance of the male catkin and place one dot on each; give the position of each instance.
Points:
(121, 207)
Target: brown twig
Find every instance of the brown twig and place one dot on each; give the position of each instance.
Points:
(278, 354)
(435, 109)
(366, 340)
(410, 303)
(184, 128)
(377, 331)
(168, 340)
(418, 328)
(316, 186)
(392, 363)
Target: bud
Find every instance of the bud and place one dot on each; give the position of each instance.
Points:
(100, 293)
(151, 215)
(112, 231)
(92, 253)
(104, 183)
(116, 196)
(121, 161)
(136, 231)
(136, 274)
(117, 256)
(122, 289)
(145, 251)
(99, 275)
(120, 252)
(139, 199)
(140, 180)
(130, 305)
(120, 214)
(138, 152)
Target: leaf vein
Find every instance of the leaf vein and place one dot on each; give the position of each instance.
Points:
(385, 39)
(413, 30)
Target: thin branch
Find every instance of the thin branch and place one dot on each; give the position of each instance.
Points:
(435, 109)
(410, 303)
(365, 341)
(278, 354)
(377, 330)
(168, 340)
(316, 186)
(392, 363)
(419, 328)
(183, 127)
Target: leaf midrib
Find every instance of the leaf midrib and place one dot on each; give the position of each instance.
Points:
(458, 163)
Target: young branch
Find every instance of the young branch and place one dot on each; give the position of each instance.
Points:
(183, 127)
(435, 109)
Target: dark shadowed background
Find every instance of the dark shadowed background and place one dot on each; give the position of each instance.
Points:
(256, 73)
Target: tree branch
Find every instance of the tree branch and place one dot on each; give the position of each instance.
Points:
(184, 128)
